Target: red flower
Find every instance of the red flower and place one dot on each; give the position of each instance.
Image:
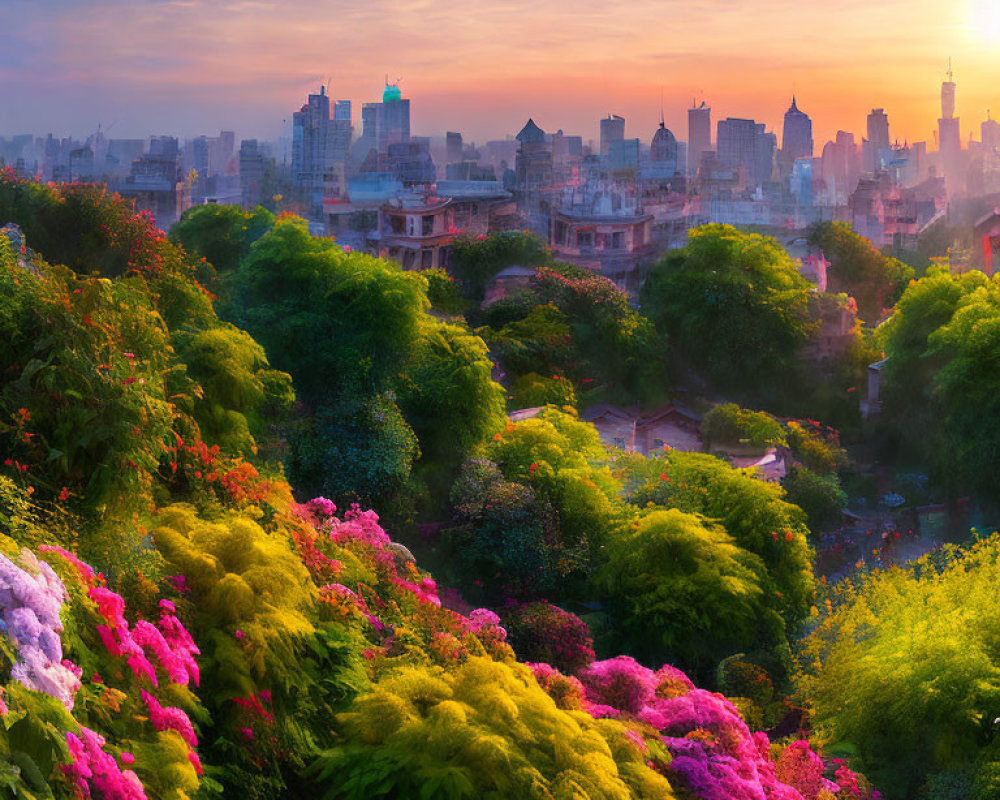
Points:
(64, 494)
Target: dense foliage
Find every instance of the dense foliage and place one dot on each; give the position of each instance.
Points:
(578, 327)
(728, 424)
(176, 626)
(938, 384)
(378, 376)
(874, 280)
(904, 672)
(733, 306)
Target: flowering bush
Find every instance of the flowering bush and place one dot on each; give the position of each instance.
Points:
(544, 632)
(31, 599)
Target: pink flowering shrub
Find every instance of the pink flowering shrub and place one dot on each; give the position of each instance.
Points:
(170, 644)
(95, 773)
(713, 754)
(170, 718)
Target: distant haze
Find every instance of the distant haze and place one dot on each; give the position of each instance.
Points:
(482, 67)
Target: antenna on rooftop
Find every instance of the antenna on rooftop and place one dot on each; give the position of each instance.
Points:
(949, 69)
(662, 121)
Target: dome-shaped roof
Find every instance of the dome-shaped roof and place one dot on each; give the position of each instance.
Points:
(664, 145)
(391, 93)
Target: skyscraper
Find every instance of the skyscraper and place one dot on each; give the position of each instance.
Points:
(949, 136)
(387, 122)
(318, 143)
(796, 138)
(745, 144)
(699, 135)
(990, 135)
(877, 141)
(453, 147)
(612, 130)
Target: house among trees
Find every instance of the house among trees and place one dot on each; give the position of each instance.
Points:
(667, 428)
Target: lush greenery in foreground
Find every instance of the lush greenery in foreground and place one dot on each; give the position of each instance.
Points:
(178, 623)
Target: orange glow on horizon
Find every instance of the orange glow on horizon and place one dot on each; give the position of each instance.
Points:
(190, 66)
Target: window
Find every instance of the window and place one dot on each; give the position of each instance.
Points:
(475, 210)
(397, 224)
(585, 239)
(427, 226)
(618, 240)
(426, 258)
(619, 442)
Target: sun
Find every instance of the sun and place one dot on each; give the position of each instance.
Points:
(984, 19)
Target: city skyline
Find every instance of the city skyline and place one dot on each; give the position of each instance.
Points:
(187, 67)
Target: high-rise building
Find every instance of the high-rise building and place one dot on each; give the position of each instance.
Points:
(453, 147)
(699, 135)
(319, 148)
(251, 173)
(796, 138)
(612, 130)
(623, 154)
(746, 144)
(533, 170)
(990, 135)
(950, 137)
(342, 110)
(877, 145)
(387, 122)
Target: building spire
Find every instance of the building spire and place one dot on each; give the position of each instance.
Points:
(949, 70)
(662, 120)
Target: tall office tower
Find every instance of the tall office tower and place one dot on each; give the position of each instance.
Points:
(251, 173)
(342, 110)
(612, 130)
(745, 144)
(453, 147)
(949, 137)
(796, 138)
(734, 141)
(319, 144)
(990, 134)
(387, 122)
(310, 136)
(699, 135)
(877, 141)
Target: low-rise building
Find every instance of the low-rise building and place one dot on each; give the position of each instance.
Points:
(601, 227)
(667, 428)
(416, 231)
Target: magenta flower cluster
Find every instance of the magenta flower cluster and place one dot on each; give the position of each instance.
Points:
(31, 600)
(715, 756)
(170, 643)
(95, 773)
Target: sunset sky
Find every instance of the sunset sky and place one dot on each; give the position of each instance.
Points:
(483, 67)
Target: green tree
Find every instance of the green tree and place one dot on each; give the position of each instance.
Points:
(874, 280)
(221, 234)
(733, 306)
(681, 589)
(474, 261)
(905, 672)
